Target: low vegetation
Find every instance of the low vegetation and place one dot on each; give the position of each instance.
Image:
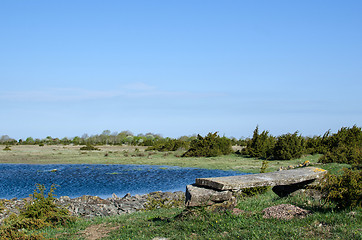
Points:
(343, 191)
(38, 213)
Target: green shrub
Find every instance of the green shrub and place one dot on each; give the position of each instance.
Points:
(43, 207)
(288, 146)
(12, 233)
(168, 144)
(344, 190)
(343, 154)
(344, 147)
(261, 145)
(89, 147)
(317, 144)
(41, 212)
(7, 148)
(211, 145)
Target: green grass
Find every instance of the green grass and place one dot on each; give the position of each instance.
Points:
(323, 223)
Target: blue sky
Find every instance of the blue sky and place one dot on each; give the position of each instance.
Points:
(179, 67)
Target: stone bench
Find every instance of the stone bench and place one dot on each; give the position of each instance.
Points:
(209, 191)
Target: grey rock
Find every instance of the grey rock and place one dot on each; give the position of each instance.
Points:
(199, 196)
(128, 195)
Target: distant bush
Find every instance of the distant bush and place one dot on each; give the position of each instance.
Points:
(7, 148)
(261, 145)
(125, 153)
(344, 147)
(168, 144)
(89, 148)
(211, 145)
(344, 190)
(288, 146)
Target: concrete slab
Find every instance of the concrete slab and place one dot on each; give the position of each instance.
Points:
(285, 177)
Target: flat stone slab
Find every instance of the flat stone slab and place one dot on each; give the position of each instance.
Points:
(285, 177)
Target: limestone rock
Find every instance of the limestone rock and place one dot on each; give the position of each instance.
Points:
(287, 177)
(198, 196)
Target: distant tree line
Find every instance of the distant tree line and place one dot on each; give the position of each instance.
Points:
(345, 146)
(107, 138)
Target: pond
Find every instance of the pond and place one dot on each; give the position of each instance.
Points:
(74, 180)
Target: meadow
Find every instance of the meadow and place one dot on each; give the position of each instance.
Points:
(69, 154)
(324, 221)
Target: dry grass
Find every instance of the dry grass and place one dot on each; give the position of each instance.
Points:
(69, 154)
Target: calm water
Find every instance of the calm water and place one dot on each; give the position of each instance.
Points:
(18, 180)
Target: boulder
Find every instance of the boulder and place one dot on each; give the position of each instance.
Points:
(199, 196)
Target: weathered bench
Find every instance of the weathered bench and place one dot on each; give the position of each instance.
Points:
(208, 191)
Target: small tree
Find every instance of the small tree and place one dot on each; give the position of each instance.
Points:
(288, 146)
(261, 145)
(344, 147)
(211, 145)
(344, 190)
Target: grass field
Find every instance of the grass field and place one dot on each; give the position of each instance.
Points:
(322, 223)
(59, 154)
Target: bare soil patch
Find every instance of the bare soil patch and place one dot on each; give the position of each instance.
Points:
(98, 231)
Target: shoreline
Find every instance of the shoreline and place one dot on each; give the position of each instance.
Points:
(88, 206)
